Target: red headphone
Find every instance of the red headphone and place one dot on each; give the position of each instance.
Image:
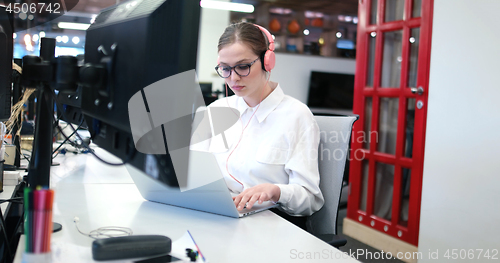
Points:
(268, 58)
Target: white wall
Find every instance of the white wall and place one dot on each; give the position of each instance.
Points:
(291, 71)
(212, 25)
(461, 183)
(294, 71)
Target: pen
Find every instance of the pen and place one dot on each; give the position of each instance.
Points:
(38, 222)
(199, 251)
(27, 218)
(48, 206)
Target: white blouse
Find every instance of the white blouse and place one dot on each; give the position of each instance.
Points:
(279, 146)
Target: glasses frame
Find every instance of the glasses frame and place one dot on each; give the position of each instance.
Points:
(233, 68)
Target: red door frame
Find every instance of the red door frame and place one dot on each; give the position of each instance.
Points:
(407, 233)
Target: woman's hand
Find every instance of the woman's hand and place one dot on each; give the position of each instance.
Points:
(260, 193)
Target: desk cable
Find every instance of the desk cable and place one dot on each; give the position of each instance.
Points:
(129, 157)
(3, 225)
(105, 232)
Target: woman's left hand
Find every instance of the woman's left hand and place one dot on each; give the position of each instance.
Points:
(260, 193)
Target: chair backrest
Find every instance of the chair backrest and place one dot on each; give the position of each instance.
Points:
(335, 134)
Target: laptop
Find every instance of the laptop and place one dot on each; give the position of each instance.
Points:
(213, 197)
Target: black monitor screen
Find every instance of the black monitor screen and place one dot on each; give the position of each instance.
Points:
(331, 90)
(138, 43)
(6, 51)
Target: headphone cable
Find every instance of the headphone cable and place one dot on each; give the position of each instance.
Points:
(244, 128)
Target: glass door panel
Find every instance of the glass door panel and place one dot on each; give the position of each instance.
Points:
(373, 12)
(371, 58)
(410, 127)
(413, 60)
(388, 125)
(391, 60)
(405, 196)
(364, 186)
(384, 183)
(417, 7)
(368, 123)
(394, 10)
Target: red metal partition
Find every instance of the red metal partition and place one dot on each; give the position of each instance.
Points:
(391, 87)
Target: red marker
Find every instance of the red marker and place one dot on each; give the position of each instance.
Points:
(40, 197)
(48, 215)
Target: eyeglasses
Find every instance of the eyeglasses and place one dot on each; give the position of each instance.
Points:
(242, 70)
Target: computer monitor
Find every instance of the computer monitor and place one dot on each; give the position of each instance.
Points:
(331, 90)
(138, 43)
(71, 105)
(6, 53)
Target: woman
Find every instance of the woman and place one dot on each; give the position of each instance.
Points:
(271, 153)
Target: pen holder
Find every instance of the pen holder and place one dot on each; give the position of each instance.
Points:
(38, 221)
(36, 258)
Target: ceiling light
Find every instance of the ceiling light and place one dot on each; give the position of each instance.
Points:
(27, 42)
(74, 26)
(311, 14)
(75, 40)
(235, 7)
(306, 32)
(280, 11)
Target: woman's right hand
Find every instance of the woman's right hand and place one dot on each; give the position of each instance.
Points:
(259, 193)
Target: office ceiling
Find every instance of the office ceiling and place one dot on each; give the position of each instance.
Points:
(341, 7)
(93, 6)
(333, 7)
(84, 9)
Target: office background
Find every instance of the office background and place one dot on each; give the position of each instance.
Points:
(459, 195)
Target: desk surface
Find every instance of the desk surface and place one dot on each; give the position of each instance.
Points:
(102, 195)
(6, 194)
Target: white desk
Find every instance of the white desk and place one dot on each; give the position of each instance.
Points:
(6, 194)
(102, 195)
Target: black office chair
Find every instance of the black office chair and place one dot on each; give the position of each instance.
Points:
(332, 155)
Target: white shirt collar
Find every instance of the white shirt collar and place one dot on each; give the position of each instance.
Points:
(267, 105)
